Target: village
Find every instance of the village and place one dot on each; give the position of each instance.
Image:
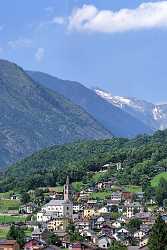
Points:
(83, 219)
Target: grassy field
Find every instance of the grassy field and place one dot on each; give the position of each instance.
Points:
(133, 189)
(3, 233)
(6, 205)
(156, 179)
(100, 195)
(5, 195)
(7, 219)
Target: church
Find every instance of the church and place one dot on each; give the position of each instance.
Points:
(56, 212)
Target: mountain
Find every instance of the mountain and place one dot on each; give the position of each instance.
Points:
(150, 114)
(34, 117)
(142, 158)
(118, 122)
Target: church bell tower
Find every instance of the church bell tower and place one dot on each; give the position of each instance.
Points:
(67, 190)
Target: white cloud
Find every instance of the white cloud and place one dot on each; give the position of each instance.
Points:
(20, 43)
(147, 15)
(58, 20)
(39, 55)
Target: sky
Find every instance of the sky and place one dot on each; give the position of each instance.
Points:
(116, 45)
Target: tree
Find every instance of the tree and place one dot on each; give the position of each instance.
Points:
(39, 196)
(163, 164)
(25, 198)
(158, 238)
(134, 225)
(117, 246)
(161, 191)
(16, 233)
(53, 239)
(73, 233)
(149, 191)
(165, 203)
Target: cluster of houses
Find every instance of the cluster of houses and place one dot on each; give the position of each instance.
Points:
(100, 222)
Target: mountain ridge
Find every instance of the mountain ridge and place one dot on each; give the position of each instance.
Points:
(118, 122)
(34, 117)
(149, 113)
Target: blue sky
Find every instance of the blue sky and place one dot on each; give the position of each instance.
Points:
(95, 42)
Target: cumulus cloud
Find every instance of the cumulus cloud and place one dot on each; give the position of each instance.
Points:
(20, 43)
(146, 16)
(39, 55)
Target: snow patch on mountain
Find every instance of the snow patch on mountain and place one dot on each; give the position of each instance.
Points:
(151, 114)
(157, 113)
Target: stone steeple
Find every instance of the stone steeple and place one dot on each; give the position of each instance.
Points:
(67, 190)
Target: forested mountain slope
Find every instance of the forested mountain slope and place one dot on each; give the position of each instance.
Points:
(141, 158)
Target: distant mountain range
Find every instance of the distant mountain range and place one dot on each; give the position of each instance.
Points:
(114, 119)
(39, 110)
(33, 117)
(154, 116)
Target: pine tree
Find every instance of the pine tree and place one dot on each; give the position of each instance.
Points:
(158, 238)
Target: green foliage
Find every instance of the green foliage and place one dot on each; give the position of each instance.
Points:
(53, 239)
(117, 246)
(74, 235)
(161, 191)
(142, 158)
(3, 233)
(134, 225)
(100, 195)
(8, 219)
(133, 189)
(148, 190)
(78, 186)
(6, 205)
(155, 181)
(55, 163)
(16, 233)
(25, 198)
(34, 117)
(158, 238)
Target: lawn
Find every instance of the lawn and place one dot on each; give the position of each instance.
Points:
(8, 219)
(3, 232)
(133, 189)
(156, 179)
(5, 195)
(100, 195)
(58, 189)
(78, 186)
(6, 205)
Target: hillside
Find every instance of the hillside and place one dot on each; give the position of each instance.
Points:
(118, 122)
(142, 158)
(34, 117)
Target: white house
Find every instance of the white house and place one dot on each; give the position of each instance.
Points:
(104, 241)
(139, 234)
